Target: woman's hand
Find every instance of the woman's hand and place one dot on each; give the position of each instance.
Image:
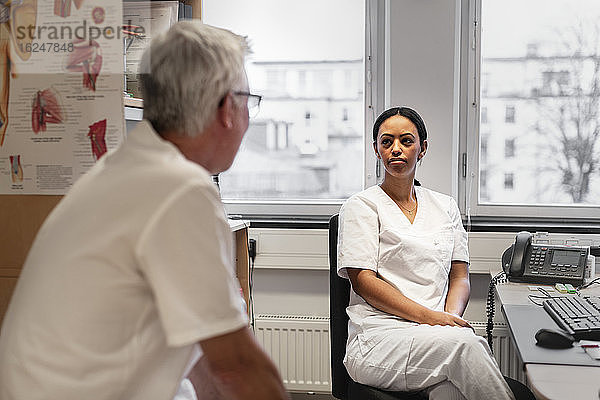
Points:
(383, 296)
(446, 318)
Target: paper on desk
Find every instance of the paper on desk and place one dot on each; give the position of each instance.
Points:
(591, 347)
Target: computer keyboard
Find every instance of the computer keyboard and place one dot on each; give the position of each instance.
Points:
(578, 315)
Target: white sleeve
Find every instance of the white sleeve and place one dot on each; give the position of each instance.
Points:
(185, 253)
(358, 236)
(461, 247)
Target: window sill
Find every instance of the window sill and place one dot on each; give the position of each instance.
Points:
(553, 225)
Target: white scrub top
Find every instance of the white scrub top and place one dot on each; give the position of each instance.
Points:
(415, 258)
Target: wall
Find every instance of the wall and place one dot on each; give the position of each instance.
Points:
(291, 272)
(21, 216)
(423, 55)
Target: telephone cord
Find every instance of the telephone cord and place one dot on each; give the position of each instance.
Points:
(490, 307)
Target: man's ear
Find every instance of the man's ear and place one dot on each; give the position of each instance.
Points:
(225, 112)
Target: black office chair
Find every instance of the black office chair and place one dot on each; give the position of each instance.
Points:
(342, 386)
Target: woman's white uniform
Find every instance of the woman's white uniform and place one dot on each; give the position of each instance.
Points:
(390, 352)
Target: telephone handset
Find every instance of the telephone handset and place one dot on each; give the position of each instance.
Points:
(543, 263)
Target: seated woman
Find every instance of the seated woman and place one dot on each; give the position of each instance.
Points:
(404, 249)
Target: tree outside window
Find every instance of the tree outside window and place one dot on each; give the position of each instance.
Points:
(547, 68)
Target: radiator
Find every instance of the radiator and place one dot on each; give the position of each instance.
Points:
(504, 351)
(299, 347)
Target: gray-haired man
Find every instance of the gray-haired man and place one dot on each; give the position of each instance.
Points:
(133, 268)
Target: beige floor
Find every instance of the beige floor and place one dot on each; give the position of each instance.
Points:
(311, 396)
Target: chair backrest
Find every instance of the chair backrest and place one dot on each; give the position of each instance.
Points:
(342, 386)
(339, 296)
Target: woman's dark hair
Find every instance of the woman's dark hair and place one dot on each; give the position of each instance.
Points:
(406, 112)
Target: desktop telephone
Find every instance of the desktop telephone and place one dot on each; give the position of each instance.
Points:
(524, 261)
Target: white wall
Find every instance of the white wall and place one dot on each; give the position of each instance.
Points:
(291, 273)
(423, 72)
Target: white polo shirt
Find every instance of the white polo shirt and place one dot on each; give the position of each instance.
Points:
(415, 258)
(126, 275)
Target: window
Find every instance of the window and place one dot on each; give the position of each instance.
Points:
(301, 83)
(509, 178)
(509, 115)
(483, 183)
(483, 150)
(345, 114)
(484, 115)
(308, 79)
(555, 83)
(543, 76)
(509, 148)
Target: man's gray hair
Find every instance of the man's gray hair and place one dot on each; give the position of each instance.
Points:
(184, 74)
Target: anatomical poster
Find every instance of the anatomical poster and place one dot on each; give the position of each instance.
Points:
(61, 91)
(142, 20)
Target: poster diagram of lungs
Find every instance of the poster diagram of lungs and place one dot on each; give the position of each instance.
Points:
(61, 91)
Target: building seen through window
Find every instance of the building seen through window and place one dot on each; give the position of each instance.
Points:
(307, 140)
(540, 102)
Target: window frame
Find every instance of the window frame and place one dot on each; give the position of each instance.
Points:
(469, 144)
(374, 89)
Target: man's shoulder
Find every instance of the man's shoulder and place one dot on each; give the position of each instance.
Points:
(156, 162)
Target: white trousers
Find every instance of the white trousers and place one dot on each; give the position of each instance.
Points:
(447, 362)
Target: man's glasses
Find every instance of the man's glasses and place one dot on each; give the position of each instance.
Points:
(253, 102)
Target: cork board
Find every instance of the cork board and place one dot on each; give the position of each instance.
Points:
(21, 217)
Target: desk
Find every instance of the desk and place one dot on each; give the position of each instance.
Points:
(239, 228)
(547, 380)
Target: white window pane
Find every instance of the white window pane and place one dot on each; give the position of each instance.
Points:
(307, 63)
(540, 89)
